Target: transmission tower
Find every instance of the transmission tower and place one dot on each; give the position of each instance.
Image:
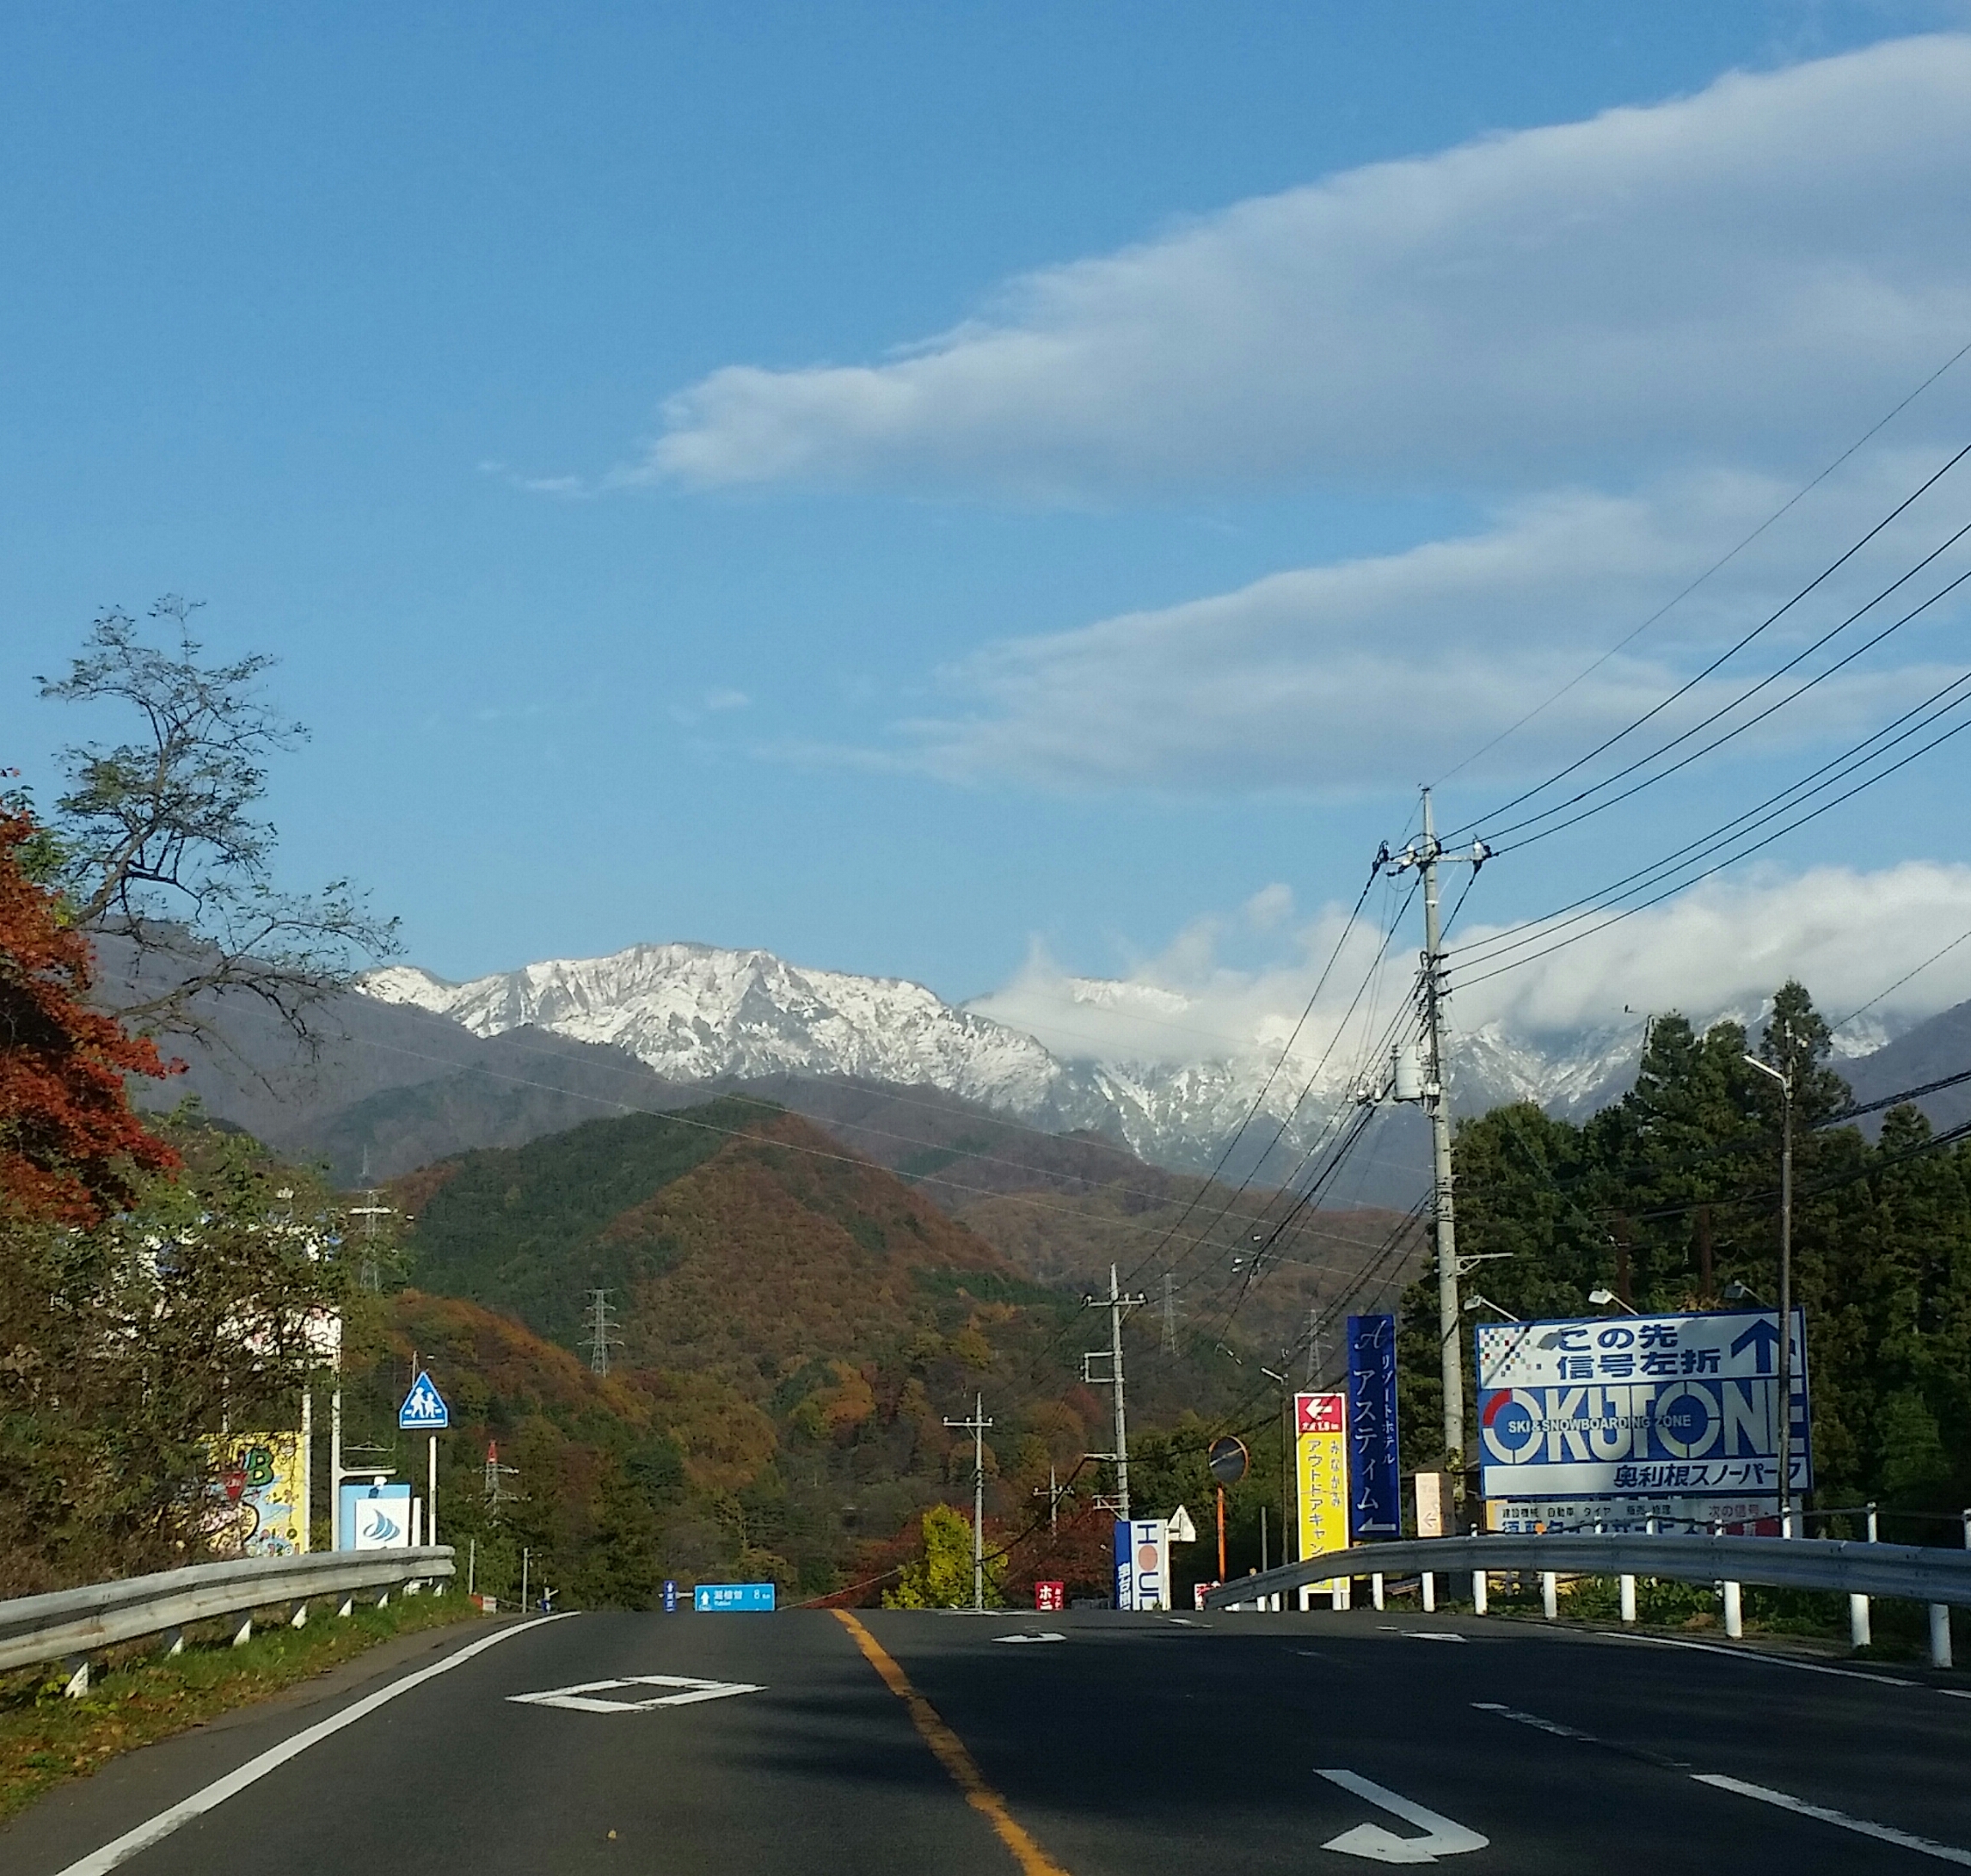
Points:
(1313, 1344)
(602, 1335)
(1169, 1312)
(496, 1474)
(370, 1274)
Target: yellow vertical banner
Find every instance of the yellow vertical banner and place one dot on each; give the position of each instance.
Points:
(1321, 1467)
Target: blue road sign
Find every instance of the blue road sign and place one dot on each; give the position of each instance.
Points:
(670, 1596)
(424, 1410)
(1375, 1490)
(717, 1596)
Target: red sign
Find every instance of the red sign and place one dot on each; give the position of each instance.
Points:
(1320, 1413)
(1198, 1593)
(1050, 1596)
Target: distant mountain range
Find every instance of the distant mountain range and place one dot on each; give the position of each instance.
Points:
(415, 1068)
(695, 1014)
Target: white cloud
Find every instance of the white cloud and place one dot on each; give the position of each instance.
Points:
(1712, 275)
(1370, 673)
(1846, 934)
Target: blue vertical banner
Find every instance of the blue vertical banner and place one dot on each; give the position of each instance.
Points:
(1374, 1469)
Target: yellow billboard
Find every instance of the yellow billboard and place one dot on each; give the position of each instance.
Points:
(256, 1508)
(1321, 1468)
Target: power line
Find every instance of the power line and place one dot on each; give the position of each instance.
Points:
(1717, 566)
(1730, 652)
(1725, 710)
(1826, 774)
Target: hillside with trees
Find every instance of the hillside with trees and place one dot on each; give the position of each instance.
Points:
(1671, 1196)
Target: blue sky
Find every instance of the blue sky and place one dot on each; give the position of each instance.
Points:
(903, 487)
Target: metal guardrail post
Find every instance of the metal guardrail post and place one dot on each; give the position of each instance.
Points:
(1861, 1634)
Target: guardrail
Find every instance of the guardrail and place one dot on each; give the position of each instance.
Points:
(67, 1625)
(1934, 1576)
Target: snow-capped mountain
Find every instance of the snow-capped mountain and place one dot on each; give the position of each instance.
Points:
(695, 1013)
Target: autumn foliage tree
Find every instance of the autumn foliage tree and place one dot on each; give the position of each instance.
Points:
(71, 1149)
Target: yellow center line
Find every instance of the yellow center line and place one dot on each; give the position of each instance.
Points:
(952, 1755)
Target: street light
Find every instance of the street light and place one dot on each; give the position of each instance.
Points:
(1739, 1293)
(1476, 1302)
(1786, 1081)
(1602, 1298)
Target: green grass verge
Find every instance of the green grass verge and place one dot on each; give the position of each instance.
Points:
(46, 1738)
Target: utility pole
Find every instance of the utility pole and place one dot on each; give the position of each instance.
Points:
(977, 1425)
(1053, 1494)
(496, 1473)
(1785, 1441)
(1425, 853)
(602, 1333)
(1115, 1302)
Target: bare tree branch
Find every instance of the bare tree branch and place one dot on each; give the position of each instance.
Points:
(161, 846)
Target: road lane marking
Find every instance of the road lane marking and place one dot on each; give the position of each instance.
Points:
(1554, 1726)
(1882, 1833)
(1718, 1781)
(1561, 1731)
(1430, 1634)
(1052, 1635)
(160, 1827)
(950, 1752)
(686, 1692)
(1766, 1660)
(1442, 1836)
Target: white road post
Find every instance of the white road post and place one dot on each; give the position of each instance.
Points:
(1430, 1593)
(1628, 1599)
(1376, 1590)
(1734, 1614)
(307, 1508)
(1940, 1634)
(1479, 1587)
(335, 1470)
(1860, 1634)
(431, 1495)
(1550, 1595)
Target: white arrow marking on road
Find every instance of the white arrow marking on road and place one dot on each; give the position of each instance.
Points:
(1442, 1837)
(687, 1693)
(1051, 1635)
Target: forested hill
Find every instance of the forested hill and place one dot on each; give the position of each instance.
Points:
(793, 1324)
(1673, 1193)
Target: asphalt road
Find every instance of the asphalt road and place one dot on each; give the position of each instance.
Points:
(1132, 1746)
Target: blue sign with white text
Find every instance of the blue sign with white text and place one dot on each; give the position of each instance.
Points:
(1375, 1487)
(717, 1597)
(424, 1410)
(1617, 1406)
(670, 1596)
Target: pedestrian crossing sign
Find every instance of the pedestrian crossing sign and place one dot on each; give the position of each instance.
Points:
(424, 1410)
